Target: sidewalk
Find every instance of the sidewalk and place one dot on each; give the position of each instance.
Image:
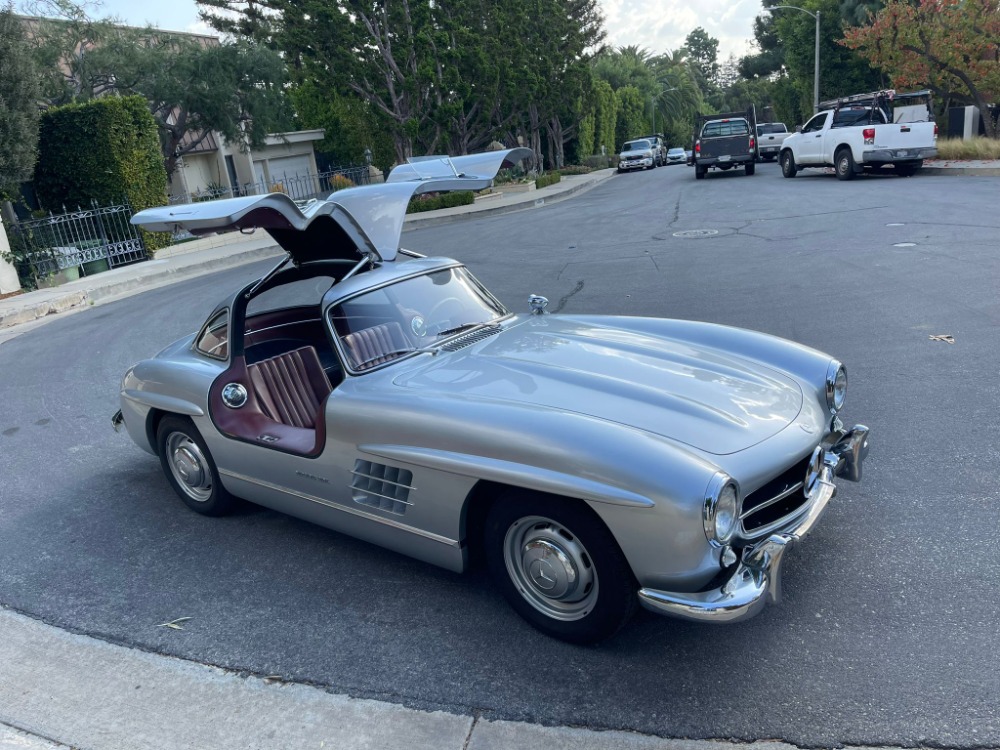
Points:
(217, 252)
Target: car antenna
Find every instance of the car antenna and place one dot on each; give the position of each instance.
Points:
(267, 276)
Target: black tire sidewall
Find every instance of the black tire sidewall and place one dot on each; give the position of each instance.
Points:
(617, 598)
(221, 501)
(788, 168)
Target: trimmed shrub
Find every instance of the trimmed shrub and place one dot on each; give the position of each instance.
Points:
(434, 201)
(599, 162)
(575, 169)
(340, 182)
(106, 150)
(547, 179)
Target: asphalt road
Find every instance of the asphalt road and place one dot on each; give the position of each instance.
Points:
(888, 631)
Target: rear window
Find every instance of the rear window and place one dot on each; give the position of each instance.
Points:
(770, 127)
(843, 118)
(721, 128)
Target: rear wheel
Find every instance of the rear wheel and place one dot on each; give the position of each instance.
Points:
(750, 168)
(699, 172)
(559, 567)
(844, 161)
(190, 469)
(788, 168)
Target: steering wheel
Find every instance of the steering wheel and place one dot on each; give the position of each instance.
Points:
(437, 320)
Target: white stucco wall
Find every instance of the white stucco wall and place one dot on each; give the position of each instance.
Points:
(8, 276)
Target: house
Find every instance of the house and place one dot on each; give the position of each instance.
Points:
(286, 163)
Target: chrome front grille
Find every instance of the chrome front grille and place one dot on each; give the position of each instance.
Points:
(381, 487)
(777, 502)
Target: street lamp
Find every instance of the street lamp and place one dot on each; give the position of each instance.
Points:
(816, 68)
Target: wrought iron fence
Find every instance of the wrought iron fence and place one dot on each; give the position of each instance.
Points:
(63, 247)
(299, 187)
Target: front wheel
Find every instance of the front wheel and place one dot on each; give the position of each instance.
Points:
(845, 164)
(559, 567)
(788, 168)
(190, 469)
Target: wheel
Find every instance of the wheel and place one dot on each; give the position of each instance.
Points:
(699, 172)
(844, 161)
(559, 567)
(788, 168)
(750, 168)
(190, 469)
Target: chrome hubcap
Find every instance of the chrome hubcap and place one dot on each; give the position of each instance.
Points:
(189, 466)
(550, 568)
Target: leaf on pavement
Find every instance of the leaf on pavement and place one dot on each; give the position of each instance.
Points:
(174, 624)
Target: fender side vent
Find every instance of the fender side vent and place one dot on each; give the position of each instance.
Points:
(381, 487)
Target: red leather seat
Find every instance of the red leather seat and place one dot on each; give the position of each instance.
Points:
(290, 387)
(375, 345)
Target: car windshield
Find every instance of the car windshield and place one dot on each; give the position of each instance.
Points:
(676, 152)
(412, 314)
(636, 146)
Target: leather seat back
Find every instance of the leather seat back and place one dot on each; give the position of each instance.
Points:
(291, 387)
(373, 346)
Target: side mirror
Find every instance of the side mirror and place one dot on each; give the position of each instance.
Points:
(798, 128)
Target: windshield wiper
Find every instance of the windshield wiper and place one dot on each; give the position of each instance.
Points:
(459, 329)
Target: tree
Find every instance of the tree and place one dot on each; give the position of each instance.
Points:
(951, 47)
(18, 107)
(193, 85)
(704, 53)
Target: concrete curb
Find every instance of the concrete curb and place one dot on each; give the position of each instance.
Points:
(966, 171)
(60, 689)
(537, 199)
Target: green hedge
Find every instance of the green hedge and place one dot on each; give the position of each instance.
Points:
(547, 179)
(441, 200)
(106, 150)
(575, 169)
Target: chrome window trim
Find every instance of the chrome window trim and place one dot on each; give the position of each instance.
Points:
(206, 326)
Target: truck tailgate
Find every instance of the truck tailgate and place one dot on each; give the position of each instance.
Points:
(904, 135)
(712, 148)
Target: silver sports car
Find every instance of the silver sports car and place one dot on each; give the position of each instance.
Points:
(593, 463)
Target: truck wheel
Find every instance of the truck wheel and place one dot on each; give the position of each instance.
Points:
(699, 172)
(845, 164)
(750, 168)
(788, 168)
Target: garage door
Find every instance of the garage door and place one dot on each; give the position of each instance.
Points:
(290, 168)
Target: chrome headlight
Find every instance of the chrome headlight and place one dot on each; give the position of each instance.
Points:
(836, 386)
(721, 513)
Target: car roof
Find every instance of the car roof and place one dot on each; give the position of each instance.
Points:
(349, 224)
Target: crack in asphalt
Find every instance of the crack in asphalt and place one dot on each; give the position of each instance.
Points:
(562, 302)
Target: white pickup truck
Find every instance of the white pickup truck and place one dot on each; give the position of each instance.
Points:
(770, 136)
(857, 138)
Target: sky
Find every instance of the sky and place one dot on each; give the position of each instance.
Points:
(657, 25)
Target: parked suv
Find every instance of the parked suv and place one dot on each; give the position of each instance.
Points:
(659, 149)
(637, 154)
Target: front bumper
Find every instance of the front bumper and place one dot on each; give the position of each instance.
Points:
(635, 163)
(756, 580)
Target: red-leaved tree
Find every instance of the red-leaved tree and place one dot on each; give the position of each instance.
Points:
(950, 46)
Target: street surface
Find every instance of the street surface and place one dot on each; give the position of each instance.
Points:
(887, 635)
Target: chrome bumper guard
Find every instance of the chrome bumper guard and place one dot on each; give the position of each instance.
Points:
(118, 420)
(756, 581)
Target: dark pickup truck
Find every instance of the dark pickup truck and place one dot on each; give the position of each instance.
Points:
(725, 141)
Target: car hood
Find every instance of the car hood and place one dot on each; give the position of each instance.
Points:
(713, 401)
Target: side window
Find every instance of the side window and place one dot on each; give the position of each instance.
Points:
(214, 338)
(816, 123)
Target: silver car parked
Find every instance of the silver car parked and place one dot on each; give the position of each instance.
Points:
(593, 463)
